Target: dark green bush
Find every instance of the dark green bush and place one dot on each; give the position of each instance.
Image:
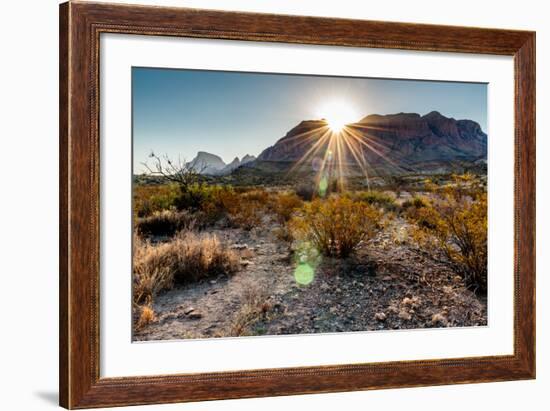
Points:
(165, 223)
(378, 199)
(306, 191)
(416, 202)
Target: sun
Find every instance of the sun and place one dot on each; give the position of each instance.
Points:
(337, 114)
(336, 123)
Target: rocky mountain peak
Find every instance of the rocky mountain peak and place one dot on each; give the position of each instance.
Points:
(247, 159)
(406, 138)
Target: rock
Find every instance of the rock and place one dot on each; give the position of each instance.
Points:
(412, 302)
(440, 319)
(169, 317)
(380, 317)
(404, 315)
(188, 310)
(194, 316)
(393, 309)
(371, 269)
(239, 246)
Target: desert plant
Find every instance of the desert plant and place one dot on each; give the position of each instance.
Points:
(285, 205)
(244, 210)
(377, 198)
(258, 195)
(254, 306)
(175, 171)
(396, 184)
(150, 275)
(306, 191)
(166, 222)
(189, 257)
(414, 203)
(146, 316)
(197, 196)
(336, 225)
(454, 223)
(245, 214)
(283, 234)
(152, 198)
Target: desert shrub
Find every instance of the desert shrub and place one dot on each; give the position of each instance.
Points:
(197, 196)
(245, 210)
(396, 184)
(306, 191)
(414, 203)
(211, 200)
(285, 205)
(336, 225)
(283, 234)
(377, 198)
(242, 189)
(166, 222)
(149, 199)
(253, 307)
(189, 257)
(258, 196)
(245, 214)
(219, 204)
(454, 223)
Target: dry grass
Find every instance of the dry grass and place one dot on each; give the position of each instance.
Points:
(166, 222)
(254, 307)
(147, 316)
(189, 257)
(151, 275)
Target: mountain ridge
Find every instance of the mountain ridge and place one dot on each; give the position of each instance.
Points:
(392, 143)
(211, 164)
(406, 139)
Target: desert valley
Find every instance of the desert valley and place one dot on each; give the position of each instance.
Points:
(379, 224)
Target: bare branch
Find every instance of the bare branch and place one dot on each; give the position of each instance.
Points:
(179, 172)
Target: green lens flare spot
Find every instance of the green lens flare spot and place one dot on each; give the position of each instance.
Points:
(304, 274)
(323, 186)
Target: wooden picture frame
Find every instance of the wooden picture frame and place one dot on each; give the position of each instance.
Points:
(80, 27)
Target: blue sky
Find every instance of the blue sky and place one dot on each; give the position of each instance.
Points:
(180, 112)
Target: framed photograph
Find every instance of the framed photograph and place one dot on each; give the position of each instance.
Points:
(259, 205)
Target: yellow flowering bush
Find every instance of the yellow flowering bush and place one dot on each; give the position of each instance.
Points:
(454, 222)
(336, 225)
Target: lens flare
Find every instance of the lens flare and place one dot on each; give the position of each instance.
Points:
(323, 186)
(307, 259)
(304, 274)
(337, 114)
(341, 147)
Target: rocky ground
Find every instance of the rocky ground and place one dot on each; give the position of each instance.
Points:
(386, 286)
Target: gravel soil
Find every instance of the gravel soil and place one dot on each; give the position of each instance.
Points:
(385, 286)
